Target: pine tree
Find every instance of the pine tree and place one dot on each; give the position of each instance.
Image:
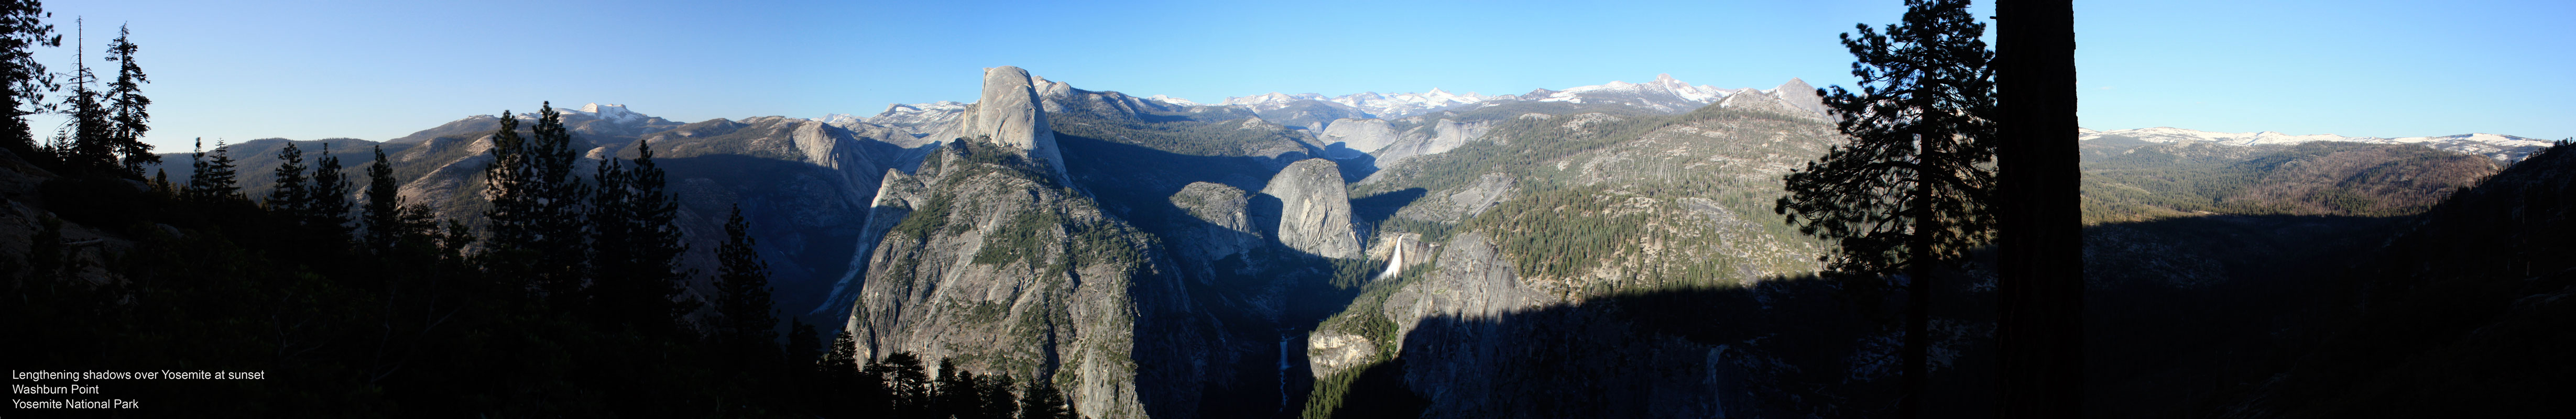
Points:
(328, 200)
(841, 360)
(1912, 189)
(536, 223)
(803, 346)
(803, 368)
(563, 231)
(617, 295)
(127, 117)
(1043, 401)
(655, 232)
(635, 244)
(293, 186)
(22, 28)
(956, 395)
(865, 390)
(742, 291)
(384, 205)
(84, 144)
(997, 397)
(212, 178)
(907, 386)
(515, 205)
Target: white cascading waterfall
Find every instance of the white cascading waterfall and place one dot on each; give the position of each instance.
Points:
(1394, 264)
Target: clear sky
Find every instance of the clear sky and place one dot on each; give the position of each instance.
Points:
(241, 70)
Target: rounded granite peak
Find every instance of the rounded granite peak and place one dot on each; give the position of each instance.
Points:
(1009, 114)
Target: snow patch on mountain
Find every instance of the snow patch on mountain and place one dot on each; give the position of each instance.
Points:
(917, 118)
(1664, 94)
(1664, 91)
(611, 112)
(1172, 100)
(2502, 148)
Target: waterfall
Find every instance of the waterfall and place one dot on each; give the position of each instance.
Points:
(1394, 264)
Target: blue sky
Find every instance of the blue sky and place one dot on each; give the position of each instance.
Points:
(378, 70)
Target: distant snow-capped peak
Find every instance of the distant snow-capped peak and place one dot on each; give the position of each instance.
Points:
(2503, 148)
(1172, 100)
(917, 117)
(1664, 93)
(612, 112)
(899, 110)
(1272, 100)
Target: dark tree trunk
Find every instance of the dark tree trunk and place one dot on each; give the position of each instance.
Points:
(1918, 300)
(2040, 228)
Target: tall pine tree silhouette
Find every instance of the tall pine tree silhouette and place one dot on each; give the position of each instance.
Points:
(84, 144)
(22, 29)
(293, 186)
(383, 217)
(1912, 189)
(742, 293)
(956, 395)
(515, 205)
(636, 244)
(212, 178)
(999, 395)
(126, 113)
(536, 221)
(617, 297)
(328, 211)
(907, 386)
(655, 230)
(1042, 401)
(563, 230)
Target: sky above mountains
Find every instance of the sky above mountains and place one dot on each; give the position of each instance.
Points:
(309, 70)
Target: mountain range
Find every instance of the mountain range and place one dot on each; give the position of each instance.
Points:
(1301, 253)
(2502, 148)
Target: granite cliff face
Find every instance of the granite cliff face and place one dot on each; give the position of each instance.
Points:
(917, 118)
(805, 185)
(1378, 138)
(989, 254)
(1509, 311)
(1003, 271)
(1314, 213)
(1228, 231)
(1799, 95)
(1009, 113)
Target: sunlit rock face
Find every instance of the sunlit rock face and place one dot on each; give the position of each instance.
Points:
(1314, 209)
(1009, 113)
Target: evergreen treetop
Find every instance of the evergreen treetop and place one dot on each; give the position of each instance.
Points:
(293, 186)
(384, 203)
(1912, 188)
(22, 28)
(328, 207)
(126, 113)
(742, 288)
(84, 143)
(212, 178)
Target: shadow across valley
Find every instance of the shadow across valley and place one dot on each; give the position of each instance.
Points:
(1250, 293)
(1782, 347)
(1374, 209)
(2181, 311)
(808, 227)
